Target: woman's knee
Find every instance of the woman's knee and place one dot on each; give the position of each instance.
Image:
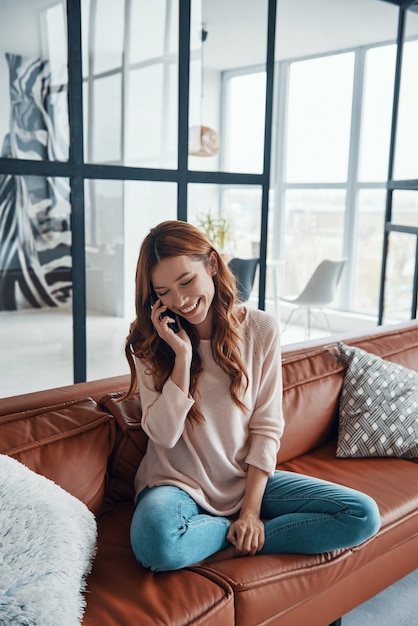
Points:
(151, 544)
(367, 518)
(155, 535)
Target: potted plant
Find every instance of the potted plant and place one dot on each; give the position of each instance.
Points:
(216, 230)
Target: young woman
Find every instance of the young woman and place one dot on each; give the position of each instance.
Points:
(211, 395)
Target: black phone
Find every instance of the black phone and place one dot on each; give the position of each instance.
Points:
(167, 313)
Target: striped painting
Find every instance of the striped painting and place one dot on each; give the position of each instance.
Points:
(35, 216)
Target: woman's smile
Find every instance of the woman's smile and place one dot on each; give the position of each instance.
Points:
(190, 308)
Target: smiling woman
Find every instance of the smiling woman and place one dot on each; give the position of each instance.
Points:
(211, 406)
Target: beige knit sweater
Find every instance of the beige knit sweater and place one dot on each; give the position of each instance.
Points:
(209, 461)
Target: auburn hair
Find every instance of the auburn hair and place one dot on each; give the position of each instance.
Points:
(175, 238)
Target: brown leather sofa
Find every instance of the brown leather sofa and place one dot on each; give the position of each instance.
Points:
(89, 443)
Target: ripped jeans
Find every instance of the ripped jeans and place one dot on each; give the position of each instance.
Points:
(302, 515)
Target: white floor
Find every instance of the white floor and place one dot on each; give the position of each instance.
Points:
(395, 606)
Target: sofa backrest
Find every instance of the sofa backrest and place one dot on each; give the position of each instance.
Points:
(69, 442)
(313, 377)
(312, 382)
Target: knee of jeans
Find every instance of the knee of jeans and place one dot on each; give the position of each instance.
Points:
(368, 517)
(158, 557)
(154, 546)
(373, 517)
(155, 557)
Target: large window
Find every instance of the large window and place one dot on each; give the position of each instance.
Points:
(317, 151)
(331, 171)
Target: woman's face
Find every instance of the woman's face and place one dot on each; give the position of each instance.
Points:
(185, 285)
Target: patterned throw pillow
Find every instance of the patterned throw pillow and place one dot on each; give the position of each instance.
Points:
(378, 413)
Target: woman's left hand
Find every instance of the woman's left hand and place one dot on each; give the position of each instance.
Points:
(246, 534)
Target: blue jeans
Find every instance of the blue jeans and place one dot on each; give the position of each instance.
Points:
(302, 515)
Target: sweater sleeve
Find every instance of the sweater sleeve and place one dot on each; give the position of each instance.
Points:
(163, 413)
(267, 423)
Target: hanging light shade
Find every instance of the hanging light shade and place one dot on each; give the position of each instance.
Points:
(203, 141)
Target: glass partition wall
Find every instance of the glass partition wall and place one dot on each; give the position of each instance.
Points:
(118, 115)
(106, 112)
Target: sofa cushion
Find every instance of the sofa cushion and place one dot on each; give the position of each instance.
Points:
(68, 443)
(378, 414)
(47, 540)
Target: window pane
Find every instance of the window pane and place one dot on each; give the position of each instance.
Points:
(107, 118)
(245, 142)
(108, 35)
(152, 86)
(33, 81)
(142, 132)
(144, 118)
(233, 216)
(313, 232)
(119, 215)
(35, 284)
(147, 21)
(377, 113)
(205, 206)
(368, 250)
(240, 207)
(405, 207)
(406, 153)
(319, 119)
(151, 119)
(399, 277)
(226, 128)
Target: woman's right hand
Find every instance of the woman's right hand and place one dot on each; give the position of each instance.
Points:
(179, 342)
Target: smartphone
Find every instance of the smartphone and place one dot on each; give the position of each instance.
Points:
(167, 313)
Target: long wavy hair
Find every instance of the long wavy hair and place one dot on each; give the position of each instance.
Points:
(175, 238)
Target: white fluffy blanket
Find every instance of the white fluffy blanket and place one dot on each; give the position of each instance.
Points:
(47, 545)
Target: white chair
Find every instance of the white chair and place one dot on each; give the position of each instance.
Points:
(318, 292)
